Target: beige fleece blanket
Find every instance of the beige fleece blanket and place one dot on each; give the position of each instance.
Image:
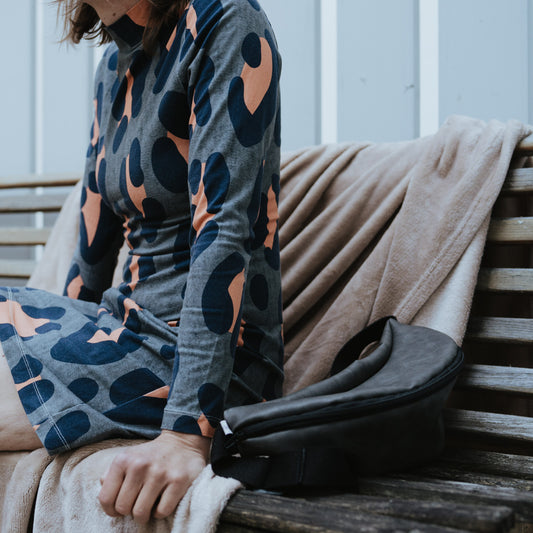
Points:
(366, 230)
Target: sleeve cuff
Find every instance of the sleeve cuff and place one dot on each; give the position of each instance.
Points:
(183, 422)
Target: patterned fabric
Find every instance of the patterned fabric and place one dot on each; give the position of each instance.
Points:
(184, 165)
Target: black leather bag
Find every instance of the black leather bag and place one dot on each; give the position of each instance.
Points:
(375, 414)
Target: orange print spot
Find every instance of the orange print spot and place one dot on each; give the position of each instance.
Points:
(102, 336)
(170, 42)
(20, 386)
(235, 292)
(91, 214)
(128, 100)
(272, 214)
(162, 392)
(205, 427)
(99, 159)
(192, 116)
(134, 269)
(136, 194)
(172, 323)
(127, 231)
(181, 144)
(96, 126)
(35, 428)
(201, 215)
(11, 312)
(129, 304)
(257, 79)
(240, 341)
(74, 287)
(190, 22)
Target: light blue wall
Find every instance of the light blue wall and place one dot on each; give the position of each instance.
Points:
(484, 67)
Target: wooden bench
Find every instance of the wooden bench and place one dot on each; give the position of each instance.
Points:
(484, 480)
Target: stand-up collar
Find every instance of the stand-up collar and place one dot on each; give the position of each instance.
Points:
(128, 30)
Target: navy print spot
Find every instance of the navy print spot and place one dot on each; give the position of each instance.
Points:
(119, 135)
(211, 400)
(69, 428)
(181, 255)
(84, 388)
(142, 411)
(255, 5)
(52, 313)
(77, 349)
(168, 165)
(170, 110)
(113, 61)
(187, 424)
(27, 368)
(36, 394)
(167, 352)
(277, 128)
(208, 236)
(134, 384)
(251, 50)
(136, 173)
(259, 291)
(202, 102)
(217, 304)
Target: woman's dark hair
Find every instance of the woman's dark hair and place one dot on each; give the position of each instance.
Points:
(81, 21)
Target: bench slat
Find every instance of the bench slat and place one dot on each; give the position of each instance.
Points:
(38, 180)
(505, 280)
(518, 181)
(32, 203)
(518, 428)
(497, 379)
(511, 230)
(23, 236)
(500, 329)
(16, 268)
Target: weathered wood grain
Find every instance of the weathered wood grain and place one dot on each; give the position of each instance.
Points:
(275, 513)
(30, 203)
(23, 236)
(16, 268)
(500, 329)
(518, 181)
(38, 180)
(505, 280)
(511, 230)
(497, 378)
(495, 425)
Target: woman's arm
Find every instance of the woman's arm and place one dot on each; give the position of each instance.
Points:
(100, 230)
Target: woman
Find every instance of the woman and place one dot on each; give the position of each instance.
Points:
(184, 165)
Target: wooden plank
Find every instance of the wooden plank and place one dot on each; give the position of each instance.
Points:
(490, 425)
(455, 515)
(23, 236)
(500, 329)
(511, 230)
(503, 464)
(273, 513)
(525, 146)
(518, 181)
(505, 280)
(39, 180)
(451, 491)
(32, 203)
(16, 268)
(497, 379)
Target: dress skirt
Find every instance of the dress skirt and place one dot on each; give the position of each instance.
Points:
(86, 372)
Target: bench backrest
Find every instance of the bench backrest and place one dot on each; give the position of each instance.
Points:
(492, 405)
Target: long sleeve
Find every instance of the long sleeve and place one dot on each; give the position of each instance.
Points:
(234, 123)
(100, 229)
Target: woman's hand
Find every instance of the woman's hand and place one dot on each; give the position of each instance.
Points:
(153, 476)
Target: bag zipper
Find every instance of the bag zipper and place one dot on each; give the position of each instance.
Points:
(348, 410)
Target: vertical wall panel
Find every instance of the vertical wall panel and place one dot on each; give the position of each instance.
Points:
(297, 25)
(16, 88)
(67, 98)
(484, 59)
(378, 69)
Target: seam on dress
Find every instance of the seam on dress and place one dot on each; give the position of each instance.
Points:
(28, 368)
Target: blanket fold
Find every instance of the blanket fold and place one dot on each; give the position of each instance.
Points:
(366, 230)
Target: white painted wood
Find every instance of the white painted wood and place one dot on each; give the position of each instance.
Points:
(297, 27)
(329, 75)
(429, 65)
(378, 69)
(484, 59)
(16, 88)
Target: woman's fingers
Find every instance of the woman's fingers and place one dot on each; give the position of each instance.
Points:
(170, 498)
(111, 485)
